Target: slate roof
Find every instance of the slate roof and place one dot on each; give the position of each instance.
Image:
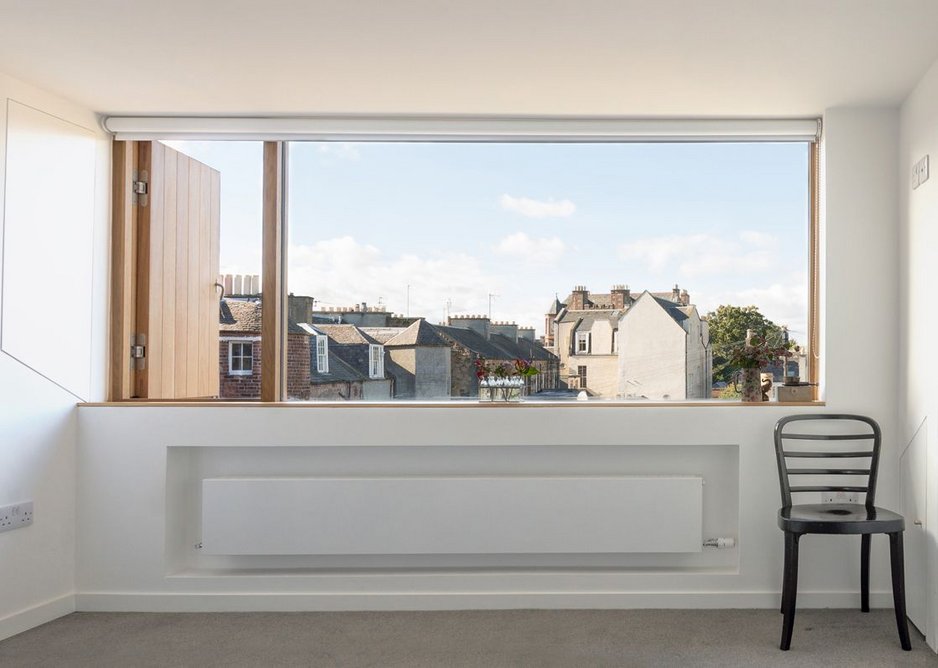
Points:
(555, 307)
(603, 300)
(591, 316)
(597, 299)
(472, 340)
(603, 311)
(350, 344)
(672, 309)
(531, 350)
(382, 334)
(346, 334)
(421, 333)
(497, 346)
(339, 370)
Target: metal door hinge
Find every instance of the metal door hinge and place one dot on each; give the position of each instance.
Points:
(140, 187)
(138, 351)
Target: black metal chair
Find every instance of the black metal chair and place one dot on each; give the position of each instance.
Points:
(836, 518)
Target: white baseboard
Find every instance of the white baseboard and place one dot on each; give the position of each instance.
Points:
(37, 615)
(298, 602)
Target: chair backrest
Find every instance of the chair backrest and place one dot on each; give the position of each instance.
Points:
(850, 440)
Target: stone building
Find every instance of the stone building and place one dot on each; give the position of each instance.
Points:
(474, 336)
(616, 345)
(420, 361)
(361, 315)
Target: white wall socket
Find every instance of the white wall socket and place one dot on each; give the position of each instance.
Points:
(840, 497)
(16, 516)
(920, 172)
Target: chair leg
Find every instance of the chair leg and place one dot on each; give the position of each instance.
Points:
(785, 571)
(865, 572)
(898, 587)
(791, 589)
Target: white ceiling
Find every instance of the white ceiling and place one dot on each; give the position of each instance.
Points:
(597, 57)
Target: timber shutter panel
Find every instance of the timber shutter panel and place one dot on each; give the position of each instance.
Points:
(177, 267)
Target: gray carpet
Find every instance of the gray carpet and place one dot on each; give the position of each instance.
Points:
(540, 638)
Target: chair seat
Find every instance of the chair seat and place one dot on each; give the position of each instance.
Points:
(839, 518)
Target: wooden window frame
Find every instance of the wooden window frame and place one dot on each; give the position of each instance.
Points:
(124, 282)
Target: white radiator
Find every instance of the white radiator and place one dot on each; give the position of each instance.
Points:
(451, 515)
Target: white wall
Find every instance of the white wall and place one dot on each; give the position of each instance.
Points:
(919, 278)
(138, 466)
(653, 360)
(38, 429)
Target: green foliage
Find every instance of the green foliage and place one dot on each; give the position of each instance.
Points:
(728, 325)
(729, 392)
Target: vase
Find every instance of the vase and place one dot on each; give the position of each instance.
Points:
(751, 385)
(501, 389)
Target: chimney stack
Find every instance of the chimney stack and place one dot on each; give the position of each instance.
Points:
(507, 329)
(676, 294)
(621, 296)
(477, 323)
(685, 298)
(578, 298)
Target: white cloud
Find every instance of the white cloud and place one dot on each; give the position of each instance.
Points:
(343, 272)
(760, 239)
(533, 208)
(540, 250)
(340, 150)
(703, 254)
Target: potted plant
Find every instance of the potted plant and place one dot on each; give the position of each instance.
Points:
(503, 381)
(751, 357)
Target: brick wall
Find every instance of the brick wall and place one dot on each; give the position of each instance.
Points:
(298, 366)
(249, 387)
(578, 298)
(239, 387)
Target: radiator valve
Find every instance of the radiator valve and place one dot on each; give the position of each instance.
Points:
(722, 543)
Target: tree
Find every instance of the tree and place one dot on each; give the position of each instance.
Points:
(728, 326)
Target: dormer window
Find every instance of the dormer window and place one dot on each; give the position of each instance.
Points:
(582, 343)
(376, 361)
(322, 353)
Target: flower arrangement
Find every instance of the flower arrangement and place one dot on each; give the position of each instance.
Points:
(518, 368)
(756, 353)
(503, 380)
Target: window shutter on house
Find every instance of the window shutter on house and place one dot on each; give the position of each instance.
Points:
(177, 300)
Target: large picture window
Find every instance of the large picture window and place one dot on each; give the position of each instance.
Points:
(422, 269)
(630, 271)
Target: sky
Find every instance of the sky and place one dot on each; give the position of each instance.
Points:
(428, 229)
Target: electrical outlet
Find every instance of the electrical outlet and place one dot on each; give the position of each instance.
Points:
(16, 516)
(920, 172)
(840, 497)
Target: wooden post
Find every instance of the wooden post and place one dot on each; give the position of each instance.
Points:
(272, 312)
(123, 270)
